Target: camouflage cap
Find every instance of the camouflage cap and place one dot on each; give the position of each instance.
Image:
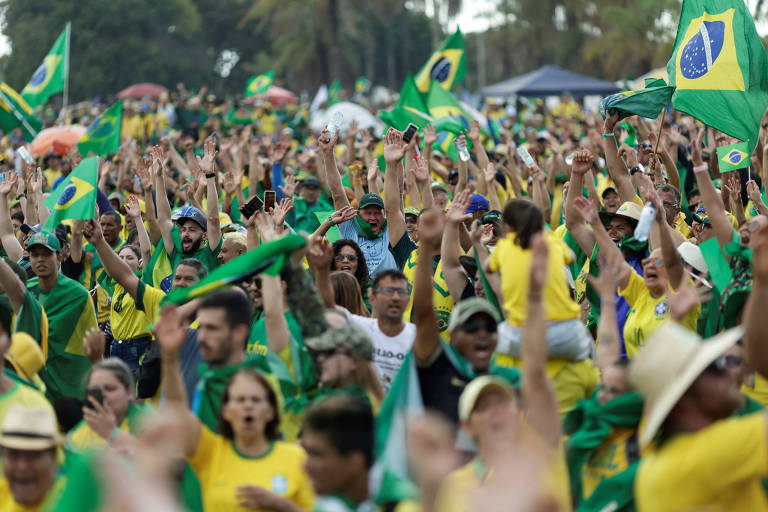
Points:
(346, 336)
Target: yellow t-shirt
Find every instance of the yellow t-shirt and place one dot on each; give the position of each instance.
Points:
(647, 313)
(8, 503)
(609, 459)
(514, 262)
(129, 321)
(717, 468)
(221, 469)
(441, 295)
(82, 437)
(681, 226)
(462, 485)
(758, 390)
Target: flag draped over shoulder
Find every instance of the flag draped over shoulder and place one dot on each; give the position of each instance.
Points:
(259, 84)
(719, 68)
(103, 136)
(446, 66)
(15, 112)
(733, 156)
(76, 197)
(51, 74)
(647, 102)
(268, 258)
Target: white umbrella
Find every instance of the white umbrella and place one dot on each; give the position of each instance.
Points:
(350, 111)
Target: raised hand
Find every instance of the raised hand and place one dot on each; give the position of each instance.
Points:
(8, 185)
(133, 208)
(586, 209)
(93, 345)
(430, 135)
(170, 330)
(474, 132)
(277, 153)
(373, 170)
(431, 226)
(457, 211)
(682, 301)
(232, 181)
(394, 147)
(327, 143)
(733, 186)
(368, 141)
(696, 156)
(144, 174)
(630, 154)
(209, 156)
(582, 162)
(319, 252)
(343, 215)
(290, 186)
(753, 192)
(280, 212)
(421, 171)
(489, 173)
(92, 228)
(266, 226)
(610, 122)
(605, 285)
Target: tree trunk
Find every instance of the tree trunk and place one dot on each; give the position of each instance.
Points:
(370, 53)
(335, 57)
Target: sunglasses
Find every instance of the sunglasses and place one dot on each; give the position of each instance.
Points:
(348, 257)
(389, 291)
(646, 145)
(487, 324)
(722, 363)
(656, 262)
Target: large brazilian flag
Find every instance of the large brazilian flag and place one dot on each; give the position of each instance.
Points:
(720, 68)
(76, 197)
(51, 74)
(446, 66)
(103, 136)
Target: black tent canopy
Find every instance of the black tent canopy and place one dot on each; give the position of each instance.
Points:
(550, 81)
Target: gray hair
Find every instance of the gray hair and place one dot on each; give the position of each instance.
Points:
(118, 368)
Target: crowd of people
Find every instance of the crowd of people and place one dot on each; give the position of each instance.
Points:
(530, 348)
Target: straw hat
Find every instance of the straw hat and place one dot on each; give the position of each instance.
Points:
(664, 369)
(30, 428)
(629, 211)
(475, 388)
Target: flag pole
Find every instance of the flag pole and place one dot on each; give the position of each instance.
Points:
(19, 117)
(658, 135)
(65, 101)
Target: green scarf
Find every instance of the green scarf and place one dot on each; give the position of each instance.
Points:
(364, 229)
(589, 424)
(630, 243)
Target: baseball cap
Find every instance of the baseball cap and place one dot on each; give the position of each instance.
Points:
(117, 196)
(30, 428)
(192, 213)
(441, 186)
(346, 336)
(608, 191)
(466, 308)
(45, 239)
(478, 203)
(371, 200)
(311, 181)
(411, 210)
(492, 217)
(475, 388)
(26, 228)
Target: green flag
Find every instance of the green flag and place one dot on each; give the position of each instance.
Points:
(75, 198)
(267, 258)
(362, 85)
(51, 74)
(410, 108)
(15, 112)
(446, 66)
(442, 103)
(719, 68)
(103, 136)
(733, 156)
(259, 84)
(648, 102)
(334, 93)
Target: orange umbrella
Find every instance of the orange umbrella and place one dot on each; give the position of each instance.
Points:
(57, 138)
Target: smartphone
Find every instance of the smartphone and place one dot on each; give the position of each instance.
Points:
(410, 132)
(252, 206)
(95, 393)
(269, 199)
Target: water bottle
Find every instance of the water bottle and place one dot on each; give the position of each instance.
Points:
(335, 125)
(645, 222)
(463, 152)
(525, 156)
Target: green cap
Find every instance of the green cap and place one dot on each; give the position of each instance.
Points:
(411, 210)
(371, 200)
(465, 309)
(346, 336)
(45, 239)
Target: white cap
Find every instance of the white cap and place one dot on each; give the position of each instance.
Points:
(691, 254)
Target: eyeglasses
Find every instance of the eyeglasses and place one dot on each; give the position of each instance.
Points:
(656, 262)
(389, 291)
(722, 363)
(348, 257)
(487, 324)
(670, 205)
(646, 145)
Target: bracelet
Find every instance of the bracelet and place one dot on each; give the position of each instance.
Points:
(635, 170)
(113, 435)
(701, 168)
(606, 135)
(330, 219)
(210, 175)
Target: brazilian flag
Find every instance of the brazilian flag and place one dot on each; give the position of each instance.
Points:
(446, 66)
(103, 136)
(733, 156)
(410, 108)
(720, 68)
(268, 258)
(15, 112)
(334, 93)
(647, 102)
(259, 84)
(51, 74)
(76, 197)
(441, 103)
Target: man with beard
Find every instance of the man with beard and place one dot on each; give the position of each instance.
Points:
(195, 235)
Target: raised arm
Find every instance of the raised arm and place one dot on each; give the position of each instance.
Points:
(712, 201)
(538, 390)
(427, 334)
(453, 273)
(116, 268)
(489, 175)
(170, 331)
(319, 257)
(394, 151)
(163, 206)
(327, 145)
(7, 238)
(146, 176)
(480, 155)
(336, 218)
(582, 163)
(12, 286)
(463, 166)
(278, 335)
(608, 345)
(616, 168)
(755, 319)
(133, 211)
(208, 166)
(672, 261)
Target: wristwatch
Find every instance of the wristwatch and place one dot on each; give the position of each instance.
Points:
(636, 169)
(210, 175)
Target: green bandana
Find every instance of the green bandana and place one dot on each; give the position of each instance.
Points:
(364, 229)
(630, 243)
(588, 424)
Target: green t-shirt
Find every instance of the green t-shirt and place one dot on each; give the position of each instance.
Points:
(204, 254)
(303, 220)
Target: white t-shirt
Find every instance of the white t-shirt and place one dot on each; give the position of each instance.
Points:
(388, 351)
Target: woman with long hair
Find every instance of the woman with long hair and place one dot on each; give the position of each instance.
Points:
(244, 465)
(346, 292)
(347, 257)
